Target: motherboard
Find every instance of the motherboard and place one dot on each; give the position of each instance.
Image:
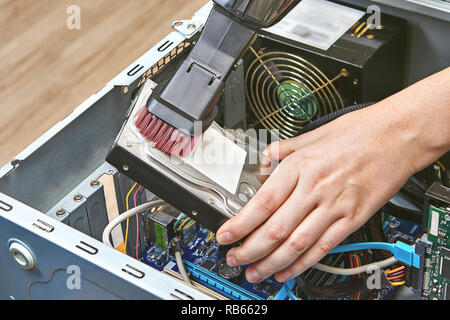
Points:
(204, 260)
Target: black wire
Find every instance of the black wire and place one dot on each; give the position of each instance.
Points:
(335, 291)
(332, 116)
(396, 274)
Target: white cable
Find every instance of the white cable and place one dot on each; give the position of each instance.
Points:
(180, 265)
(124, 216)
(357, 270)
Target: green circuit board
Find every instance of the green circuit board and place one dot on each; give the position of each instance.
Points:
(437, 262)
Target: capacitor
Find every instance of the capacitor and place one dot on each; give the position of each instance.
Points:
(233, 274)
(209, 251)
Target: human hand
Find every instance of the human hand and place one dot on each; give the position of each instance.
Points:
(328, 184)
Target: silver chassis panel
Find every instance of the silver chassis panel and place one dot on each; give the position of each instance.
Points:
(54, 165)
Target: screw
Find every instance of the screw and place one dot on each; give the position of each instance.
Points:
(124, 90)
(355, 82)
(211, 201)
(129, 144)
(126, 167)
(61, 212)
(191, 26)
(95, 183)
(344, 73)
(78, 197)
(194, 213)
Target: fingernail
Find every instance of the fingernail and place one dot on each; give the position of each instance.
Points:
(283, 276)
(224, 238)
(231, 261)
(253, 276)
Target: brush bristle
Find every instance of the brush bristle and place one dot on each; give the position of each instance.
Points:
(164, 137)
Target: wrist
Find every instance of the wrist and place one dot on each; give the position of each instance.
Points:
(422, 111)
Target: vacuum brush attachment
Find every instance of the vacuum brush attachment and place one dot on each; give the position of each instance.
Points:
(188, 100)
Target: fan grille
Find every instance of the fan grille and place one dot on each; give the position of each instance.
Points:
(286, 92)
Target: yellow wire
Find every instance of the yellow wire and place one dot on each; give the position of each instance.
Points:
(441, 165)
(190, 225)
(183, 223)
(210, 236)
(398, 283)
(128, 219)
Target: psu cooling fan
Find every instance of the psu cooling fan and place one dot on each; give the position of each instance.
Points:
(286, 92)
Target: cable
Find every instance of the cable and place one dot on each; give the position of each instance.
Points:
(363, 246)
(181, 218)
(127, 205)
(179, 260)
(189, 225)
(398, 283)
(183, 223)
(395, 270)
(127, 214)
(210, 236)
(180, 265)
(332, 116)
(401, 251)
(441, 165)
(354, 271)
(137, 222)
(396, 277)
(290, 294)
(334, 291)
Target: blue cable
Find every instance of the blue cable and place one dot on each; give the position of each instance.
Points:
(290, 294)
(401, 251)
(285, 291)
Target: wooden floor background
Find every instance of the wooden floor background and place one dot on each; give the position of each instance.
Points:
(46, 70)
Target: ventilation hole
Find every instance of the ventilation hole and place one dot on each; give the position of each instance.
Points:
(5, 207)
(44, 226)
(165, 46)
(133, 271)
(87, 248)
(184, 294)
(135, 70)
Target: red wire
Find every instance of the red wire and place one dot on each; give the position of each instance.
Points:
(137, 222)
(396, 277)
(351, 265)
(358, 296)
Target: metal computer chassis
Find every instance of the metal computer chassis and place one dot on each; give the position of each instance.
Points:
(61, 170)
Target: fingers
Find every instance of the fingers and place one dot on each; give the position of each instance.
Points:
(332, 237)
(281, 149)
(274, 231)
(299, 241)
(266, 201)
